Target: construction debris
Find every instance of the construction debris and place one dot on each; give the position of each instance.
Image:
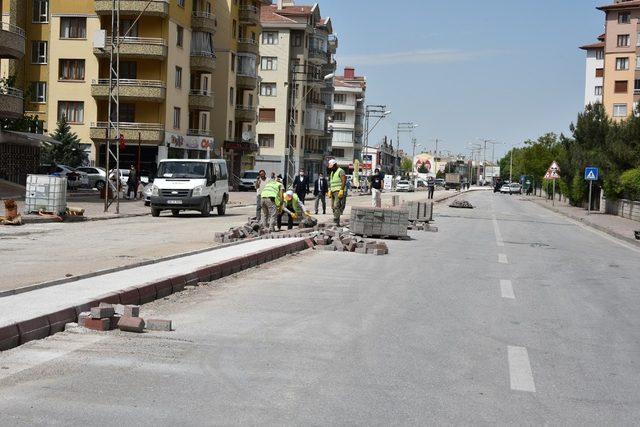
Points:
(159, 325)
(343, 240)
(11, 216)
(131, 324)
(254, 229)
(106, 317)
(461, 204)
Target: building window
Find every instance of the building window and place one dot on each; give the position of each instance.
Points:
(128, 70)
(638, 62)
(267, 115)
(340, 98)
(230, 129)
(266, 140)
(233, 62)
(268, 89)
(296, 41)
(181, 3)
(623, 40)
(40, 11)
(338, 152)
(234, 29)
(39, 92)
(127, 113)
(73, 28)
(620, 110)
(180, 36)
(178, 77)
(71, 111)
(599, 72)
(269, 63)
(344, 136)
(340, 117)
(621, 86)
(600, 53)
(247, 65)
(270, 37)
(176, 117)
(71, 69)
(39, 52)
(624, 18)
(598, 90)
(622, 64)
(231, 96)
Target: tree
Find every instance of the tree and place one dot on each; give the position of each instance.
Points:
(406, 166)
(69, 152)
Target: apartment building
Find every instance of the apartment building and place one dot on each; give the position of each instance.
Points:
(621, 77)
(348, 118)
(12, 46)
(236, 81)
(296, 88)
(594, 76)
(167, 60)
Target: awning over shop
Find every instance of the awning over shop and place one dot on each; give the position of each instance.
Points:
(26, 138)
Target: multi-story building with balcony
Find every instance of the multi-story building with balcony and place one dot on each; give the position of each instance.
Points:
(348, 118)
(167, 61)
(296, 88)
(621, 71)
(12, 46)
(236, 81)
(594, 75)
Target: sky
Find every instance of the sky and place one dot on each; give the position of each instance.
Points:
(465, 70)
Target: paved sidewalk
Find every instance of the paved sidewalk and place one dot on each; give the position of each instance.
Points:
(613, 225)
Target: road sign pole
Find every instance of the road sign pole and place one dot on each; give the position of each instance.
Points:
(590, 192)
(553, 194)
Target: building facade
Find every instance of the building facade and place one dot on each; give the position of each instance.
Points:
(348, 118)
(12, 47)
(621, 76)
(296, 88)
(594, 74)
(178, 98)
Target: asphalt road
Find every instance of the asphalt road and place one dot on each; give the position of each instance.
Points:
(525, 319)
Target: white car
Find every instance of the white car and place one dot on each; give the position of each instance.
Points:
(248, 181)
(404, 185)
(513, 188)
(75, 178)
(97, 176)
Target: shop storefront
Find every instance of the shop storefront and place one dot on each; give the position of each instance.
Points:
(187, 147)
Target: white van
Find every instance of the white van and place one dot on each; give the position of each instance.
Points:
(185, 184)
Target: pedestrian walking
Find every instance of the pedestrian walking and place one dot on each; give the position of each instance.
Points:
(431, 188)
(132, 184)
(260, 183)
(337, 190)
(301, 185)
(377, 183)
(271, 202)
(293, 207)
(320, 188)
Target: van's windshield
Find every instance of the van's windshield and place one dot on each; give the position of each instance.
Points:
(250, 175)
(184, 169)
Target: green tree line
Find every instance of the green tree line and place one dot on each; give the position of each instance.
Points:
(595, 140)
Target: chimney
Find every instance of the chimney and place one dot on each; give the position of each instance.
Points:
(349, 73)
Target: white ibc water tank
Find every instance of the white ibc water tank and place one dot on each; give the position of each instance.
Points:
(46, 193)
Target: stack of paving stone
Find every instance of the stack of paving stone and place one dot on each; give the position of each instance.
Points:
(379, 222)
(461, 204)
(343, 240)
(107, 317)
(254, 229)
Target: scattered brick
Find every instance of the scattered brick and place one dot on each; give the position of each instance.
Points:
(131, 324)
(82, 317)
(97, 324)
(159, 325)
(131, 311)
(101, 312)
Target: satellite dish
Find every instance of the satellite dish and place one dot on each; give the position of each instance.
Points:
(247, 136)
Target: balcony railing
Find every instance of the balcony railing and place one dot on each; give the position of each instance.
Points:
(136, 47)
(5, 26)
(198, 132)
(200, 92)
(132, 82)
(149, 7)
(132, 89)
(11, 91)
(248, 45)
(249, 14)
(130, 125)
(203, 21)
(12, 41)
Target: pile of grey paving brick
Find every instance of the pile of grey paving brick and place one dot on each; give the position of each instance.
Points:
(107, 317)
(254, 229)
(461, 204)
(343, 240)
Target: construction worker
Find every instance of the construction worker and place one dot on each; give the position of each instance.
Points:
(293, 207)
(337, 190)
(271, 202)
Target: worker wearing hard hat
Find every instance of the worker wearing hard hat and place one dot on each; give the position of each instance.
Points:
(337, 190)
(293, 207)
(271, 201)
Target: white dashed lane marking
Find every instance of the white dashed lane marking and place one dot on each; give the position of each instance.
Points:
(502, 259)
(520, 370)
(496, 230)
(506, 288)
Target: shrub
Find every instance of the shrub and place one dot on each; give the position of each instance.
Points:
(630, 184)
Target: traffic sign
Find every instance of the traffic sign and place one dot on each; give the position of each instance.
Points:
(552, 174)
(554, 166)
(591, 174)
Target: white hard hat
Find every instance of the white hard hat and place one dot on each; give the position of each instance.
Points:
(332, 162)
(289, 193)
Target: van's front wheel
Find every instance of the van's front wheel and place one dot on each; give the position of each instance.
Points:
(222, 207)
(206, 207)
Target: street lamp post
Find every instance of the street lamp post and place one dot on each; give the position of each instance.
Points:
(406, 127)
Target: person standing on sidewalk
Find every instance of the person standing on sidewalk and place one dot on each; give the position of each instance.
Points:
(377, 182)
(271, 202)
(132, 184)
(320, 188)
(431, 187)
(260, 183)
(301, 185)
(337, 190)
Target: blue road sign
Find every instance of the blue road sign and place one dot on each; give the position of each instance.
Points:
(591, 174)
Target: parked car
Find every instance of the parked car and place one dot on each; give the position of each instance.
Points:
(248, 181)
(146, 194)
(404, 185)
(75, 178)
(512, 188)
(185, 184)
(440, 182)
(97, 176)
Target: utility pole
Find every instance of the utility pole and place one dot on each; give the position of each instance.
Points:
(511, 167)
(407, 127)
(376, 111)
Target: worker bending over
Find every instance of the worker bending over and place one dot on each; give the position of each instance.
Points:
(293, 207)
(271, 202)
